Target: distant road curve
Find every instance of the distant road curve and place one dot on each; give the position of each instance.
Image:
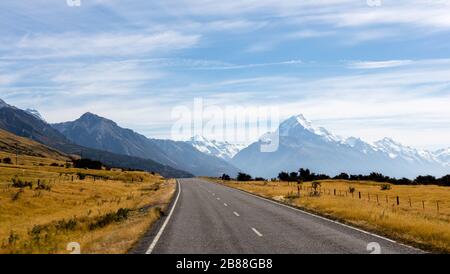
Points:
(208, 218)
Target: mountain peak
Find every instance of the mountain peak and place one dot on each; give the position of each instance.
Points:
(297, 125)
(90, 117)
(198, 138)
(3, 104)
(35, 113)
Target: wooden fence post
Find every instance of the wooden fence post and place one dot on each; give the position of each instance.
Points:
(334, 192)
(359, 195)
(377, 200)
(398, 200)
(410, 205)
(423, 205)
(437, 206)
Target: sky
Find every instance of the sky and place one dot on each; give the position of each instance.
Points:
(363, 68)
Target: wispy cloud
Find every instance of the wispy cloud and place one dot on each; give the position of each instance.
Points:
(379, 64)
(66, 45)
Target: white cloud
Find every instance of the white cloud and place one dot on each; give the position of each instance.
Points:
(37, 46)
(379, 64)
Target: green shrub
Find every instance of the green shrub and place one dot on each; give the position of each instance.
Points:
(16, 182)
(385, 187)
(102, 221)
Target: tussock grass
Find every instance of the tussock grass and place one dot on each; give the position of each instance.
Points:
(107, 214)
(410, 223)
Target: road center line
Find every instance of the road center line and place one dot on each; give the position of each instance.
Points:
(235, 213)
(218, 199)
(257, 232)
(225, 204)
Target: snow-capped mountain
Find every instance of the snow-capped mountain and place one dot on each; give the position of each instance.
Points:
(301, 144)
(397, 150)
(224, 150)
(35, 113)
(298, 125)
(443, 155)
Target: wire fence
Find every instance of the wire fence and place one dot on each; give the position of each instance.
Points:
(440, 207)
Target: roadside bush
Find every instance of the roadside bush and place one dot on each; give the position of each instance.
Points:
(385, 187)
(315, 185)
(66, 225)
(18, 183)
(43, 186)
(102, 221)
(351, 189)
(7, 160)
(81, 176)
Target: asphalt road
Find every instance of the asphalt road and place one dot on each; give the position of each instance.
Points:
(209, 218)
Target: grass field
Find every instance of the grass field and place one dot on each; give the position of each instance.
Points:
(418, 223)
(106, 212)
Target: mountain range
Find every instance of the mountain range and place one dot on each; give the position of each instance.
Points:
(96, 132)
(24, 124)
(301, 144)
(221, 149)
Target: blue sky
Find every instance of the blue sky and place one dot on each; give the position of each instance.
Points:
(359, 70)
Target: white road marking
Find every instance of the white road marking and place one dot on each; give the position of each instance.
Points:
(257, 232)
(214, 194)
(225, 204)
(218, 199)
(235, 213)
(161, 230)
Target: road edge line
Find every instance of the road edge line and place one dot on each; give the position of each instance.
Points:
(161, 230)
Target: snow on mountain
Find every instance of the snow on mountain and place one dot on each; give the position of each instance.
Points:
(301, 144)
(300, 125)
(360, 145)
(35, 113)
(395, 150)
(443, 155)
(224, 150)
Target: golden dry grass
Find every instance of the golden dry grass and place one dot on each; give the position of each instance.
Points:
(84, 211)
(425, 228)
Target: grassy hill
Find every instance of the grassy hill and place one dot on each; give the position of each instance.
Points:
(10, 143)
(44, 207)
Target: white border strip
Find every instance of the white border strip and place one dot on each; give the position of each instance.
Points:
(323, 218)
(161, 230)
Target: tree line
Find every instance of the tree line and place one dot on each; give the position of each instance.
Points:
(305, 175)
